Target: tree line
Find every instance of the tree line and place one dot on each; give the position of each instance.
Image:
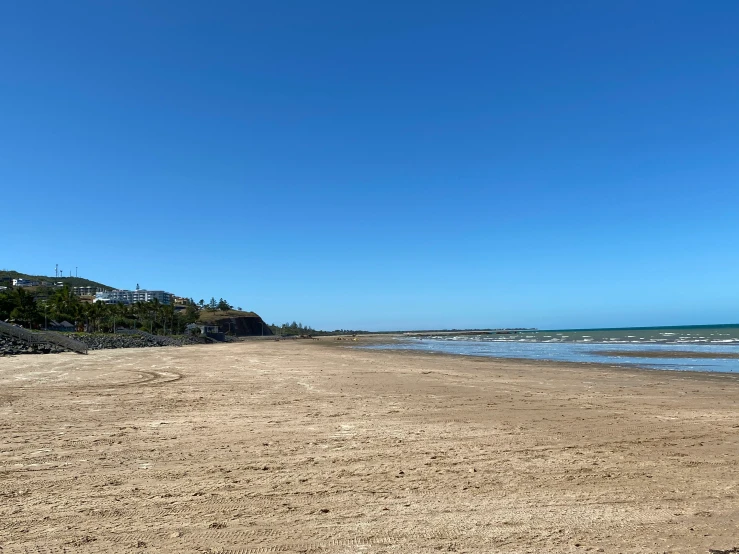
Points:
(19, 306)
(36, 312)
(295, 328)
(292, 329)
(212, 305)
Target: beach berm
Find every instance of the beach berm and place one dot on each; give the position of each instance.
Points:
(313, 446)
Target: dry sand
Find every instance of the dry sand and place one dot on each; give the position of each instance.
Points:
(300, 447)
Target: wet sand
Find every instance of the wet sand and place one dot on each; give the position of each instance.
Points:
(295, 446)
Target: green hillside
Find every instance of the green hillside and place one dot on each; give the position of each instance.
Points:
(7, 276)
(211, 316)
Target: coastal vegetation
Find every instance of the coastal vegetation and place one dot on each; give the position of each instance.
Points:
(53, 301)
(39, 307)
(294, 328)
(39, 311)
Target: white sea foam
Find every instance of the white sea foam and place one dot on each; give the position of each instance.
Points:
(587, 351)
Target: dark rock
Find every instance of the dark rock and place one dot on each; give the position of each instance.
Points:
(11, 346)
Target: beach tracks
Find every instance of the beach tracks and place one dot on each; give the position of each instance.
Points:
(288, 447)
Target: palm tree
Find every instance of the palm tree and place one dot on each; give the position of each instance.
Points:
(97, 311)
(64, 303)
(80, 315)
(137, 309)
(119, 314)
(155, 307)
(25, 309)
(168, 313)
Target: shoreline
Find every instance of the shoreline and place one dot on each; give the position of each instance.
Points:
(346, 342)
(388, 340)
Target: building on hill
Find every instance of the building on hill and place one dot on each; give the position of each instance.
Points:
(110, 297)
(25, 283)
(87, 291)
(203, 328)
(165, 298)
(133, 296)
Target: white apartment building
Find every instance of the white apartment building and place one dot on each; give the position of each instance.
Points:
(165, 298)
(133, 296)
(87, 291)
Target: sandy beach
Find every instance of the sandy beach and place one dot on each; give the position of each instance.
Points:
(304, 446)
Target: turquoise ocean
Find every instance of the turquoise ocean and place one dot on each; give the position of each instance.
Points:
(620, 346)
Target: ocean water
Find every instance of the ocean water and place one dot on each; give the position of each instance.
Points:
(595, 346)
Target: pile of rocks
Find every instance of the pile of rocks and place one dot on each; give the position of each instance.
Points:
(119, 340)
(10, 346)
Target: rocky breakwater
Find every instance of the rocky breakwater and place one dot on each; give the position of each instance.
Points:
(104, 341)
(10, 346)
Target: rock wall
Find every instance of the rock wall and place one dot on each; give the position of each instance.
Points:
(11, 346)
(103, 341)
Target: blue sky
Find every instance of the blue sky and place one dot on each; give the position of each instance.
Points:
(381, 165)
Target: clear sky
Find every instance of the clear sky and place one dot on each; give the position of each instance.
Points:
(381, 165)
